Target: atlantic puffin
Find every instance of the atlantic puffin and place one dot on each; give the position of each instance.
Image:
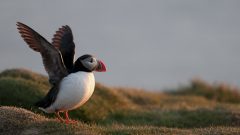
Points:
(72, 83)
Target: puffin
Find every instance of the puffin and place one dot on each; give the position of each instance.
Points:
(72, 83)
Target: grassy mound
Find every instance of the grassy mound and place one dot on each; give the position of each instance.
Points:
(15, 120)
(218, 92)
(25, 74)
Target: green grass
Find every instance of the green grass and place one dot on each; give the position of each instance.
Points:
(199, 108)
(176, 118)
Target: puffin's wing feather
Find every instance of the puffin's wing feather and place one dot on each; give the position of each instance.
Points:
(52, 58)
(63, 40)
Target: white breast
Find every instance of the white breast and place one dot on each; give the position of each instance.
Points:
(75, 90)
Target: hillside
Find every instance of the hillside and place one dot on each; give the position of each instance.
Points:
(199, 108)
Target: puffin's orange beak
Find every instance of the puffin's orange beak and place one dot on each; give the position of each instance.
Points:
(101, 67)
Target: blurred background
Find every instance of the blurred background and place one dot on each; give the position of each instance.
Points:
(185, 52)
(145, 44)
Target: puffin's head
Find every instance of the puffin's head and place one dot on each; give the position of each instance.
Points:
(89, 63)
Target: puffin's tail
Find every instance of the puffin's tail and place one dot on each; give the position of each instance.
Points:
(48, 99)
(41, 103)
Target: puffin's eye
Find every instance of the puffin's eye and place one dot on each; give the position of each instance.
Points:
(91, 60)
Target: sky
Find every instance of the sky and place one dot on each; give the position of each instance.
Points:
(150, 44)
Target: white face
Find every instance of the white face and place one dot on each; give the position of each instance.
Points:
(90, 63)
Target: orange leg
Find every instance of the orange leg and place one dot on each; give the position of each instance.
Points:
(69, 121)
(59, 117)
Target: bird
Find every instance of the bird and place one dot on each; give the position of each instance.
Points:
(72, 82)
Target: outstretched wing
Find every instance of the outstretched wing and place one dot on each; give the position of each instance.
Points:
(63, 40)
(52, 58)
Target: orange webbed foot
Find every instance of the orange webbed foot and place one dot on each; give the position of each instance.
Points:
(69, 121)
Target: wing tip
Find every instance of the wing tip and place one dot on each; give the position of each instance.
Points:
(19, 24)
(26, 33)
(22, 27)
(56, 40)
